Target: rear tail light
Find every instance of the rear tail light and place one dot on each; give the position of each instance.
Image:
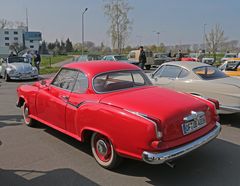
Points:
(215, 102)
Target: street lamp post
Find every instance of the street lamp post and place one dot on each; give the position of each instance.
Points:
(204, 35)
(158, 39)
(83, 29)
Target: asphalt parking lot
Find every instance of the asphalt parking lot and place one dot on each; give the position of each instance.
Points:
(43, 156)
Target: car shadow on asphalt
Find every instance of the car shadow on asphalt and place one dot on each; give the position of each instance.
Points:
(10, 120)
(216, 163)
(230, 119)
(58, 177)
(84, 147)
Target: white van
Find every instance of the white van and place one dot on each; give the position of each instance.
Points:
(134, 56)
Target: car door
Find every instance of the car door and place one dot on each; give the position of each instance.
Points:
(166, 75)
(51, 101)
(78, 97)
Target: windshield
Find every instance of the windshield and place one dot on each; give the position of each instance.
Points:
(119, 80)
(209, 73)
(17, 60)
(121, 58)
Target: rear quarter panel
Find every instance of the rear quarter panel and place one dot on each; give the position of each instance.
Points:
(130, 134)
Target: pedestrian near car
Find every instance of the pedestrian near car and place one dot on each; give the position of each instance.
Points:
(37, 61)
(28, 56)
(179, 55)
(12, 54)
(142, 57)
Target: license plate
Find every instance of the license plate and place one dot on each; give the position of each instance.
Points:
(194, 124)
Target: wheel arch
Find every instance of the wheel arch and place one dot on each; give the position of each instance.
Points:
(21, 101)
(86, 134)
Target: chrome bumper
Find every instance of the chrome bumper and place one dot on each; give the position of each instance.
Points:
(159, 158)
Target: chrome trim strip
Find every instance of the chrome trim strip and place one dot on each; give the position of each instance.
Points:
(144, 116)
(229, 108)
(159, 158)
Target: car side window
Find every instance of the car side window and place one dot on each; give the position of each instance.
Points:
(81, 84)
(184, 73)
(138, 79)
(109, 58)
(158, 73)
(65, 79)
(171, 71)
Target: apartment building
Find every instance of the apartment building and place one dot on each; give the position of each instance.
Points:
(20, 35)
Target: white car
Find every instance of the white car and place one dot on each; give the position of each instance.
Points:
(227, 56)
(18, 68)
(202, 80)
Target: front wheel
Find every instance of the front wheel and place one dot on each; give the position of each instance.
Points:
(104, 152)
(6, 77)
(27, 120)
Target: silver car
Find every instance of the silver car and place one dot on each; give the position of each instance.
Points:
(18, 68)
(119, 58)
(200, 79)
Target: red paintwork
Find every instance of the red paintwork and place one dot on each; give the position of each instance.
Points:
(105, 113)
(188, 59)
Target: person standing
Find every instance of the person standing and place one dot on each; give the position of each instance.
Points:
(37, 60)
(28, 56)
(179, 55)
(142, 57)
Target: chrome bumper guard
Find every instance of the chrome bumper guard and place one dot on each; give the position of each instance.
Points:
(159, 158)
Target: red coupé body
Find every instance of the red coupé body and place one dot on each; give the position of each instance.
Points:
(120, 111)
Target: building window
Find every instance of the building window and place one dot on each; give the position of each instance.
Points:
(15, 39)
(15, 32)
(6, 44)
(6, 32)
(31, 46)
(6, 38)
(31, 41)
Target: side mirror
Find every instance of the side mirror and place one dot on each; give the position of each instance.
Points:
(151, 75)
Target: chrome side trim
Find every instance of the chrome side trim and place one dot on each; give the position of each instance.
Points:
(229, 108)
(159, 158)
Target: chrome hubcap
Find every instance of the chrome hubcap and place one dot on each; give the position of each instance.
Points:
(102, 147)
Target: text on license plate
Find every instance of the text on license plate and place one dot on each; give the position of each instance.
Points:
(194, 125)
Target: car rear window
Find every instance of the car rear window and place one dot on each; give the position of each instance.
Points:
(209, 73)
(114, 81)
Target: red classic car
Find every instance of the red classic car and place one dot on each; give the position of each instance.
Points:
(116, 108)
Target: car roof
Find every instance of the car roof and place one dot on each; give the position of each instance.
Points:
(187, 64)
(100, 66)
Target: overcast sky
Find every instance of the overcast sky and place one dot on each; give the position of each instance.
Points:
(178, 21)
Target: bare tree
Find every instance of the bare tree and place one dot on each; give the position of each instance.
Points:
(120, 25)
(3, 23)
(215, 39)
(17, 48)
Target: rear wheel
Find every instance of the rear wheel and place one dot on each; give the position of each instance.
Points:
(27, 120)
(103, 151)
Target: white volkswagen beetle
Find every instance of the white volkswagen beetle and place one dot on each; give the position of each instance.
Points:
(18, 68)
